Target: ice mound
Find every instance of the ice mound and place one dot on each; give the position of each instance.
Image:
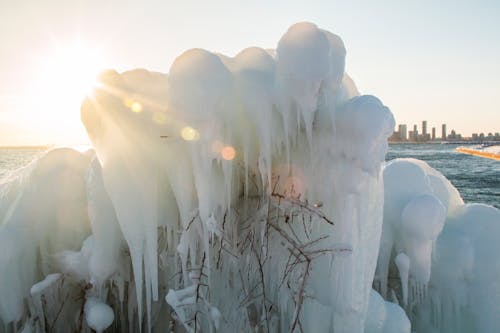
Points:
(464, 286)
(440, 252)
(417, 199)
(41, 213)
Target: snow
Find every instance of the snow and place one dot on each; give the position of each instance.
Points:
(244, 193)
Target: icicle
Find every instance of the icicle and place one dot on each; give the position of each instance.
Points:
(403, 263)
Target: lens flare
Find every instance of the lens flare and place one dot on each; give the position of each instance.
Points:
(190, 134)
(133, 105)
(228, 153)
(136, 107)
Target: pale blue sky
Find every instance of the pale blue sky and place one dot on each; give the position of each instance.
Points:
(432, 60)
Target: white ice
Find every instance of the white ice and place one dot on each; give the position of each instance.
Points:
(39, 287)
(449, 249)
(98, 315)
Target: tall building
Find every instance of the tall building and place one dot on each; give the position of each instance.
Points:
(443, 132)
(414, 136)
(433, 133)
(424, 128)
(402, 132)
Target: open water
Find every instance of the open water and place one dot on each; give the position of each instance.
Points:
(477, 179)
(14, 158)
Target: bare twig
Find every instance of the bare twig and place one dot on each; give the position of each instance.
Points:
(82, 308)
(262, 282)
(300, 296)
(191, 221)
(304, 205)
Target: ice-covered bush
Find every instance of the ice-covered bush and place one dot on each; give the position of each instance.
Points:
(230, 194)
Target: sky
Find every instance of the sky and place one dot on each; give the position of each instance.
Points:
(426, 60)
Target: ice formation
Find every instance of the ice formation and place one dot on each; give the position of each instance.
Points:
(416, 201)
(38, 288)
(99, 315)
(403, 263)
(444, 248)
(237, 194)
(385, 317)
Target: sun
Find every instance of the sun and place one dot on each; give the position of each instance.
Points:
(66, 76)
(70, 72)
(63, 79)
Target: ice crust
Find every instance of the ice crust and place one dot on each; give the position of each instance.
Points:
(244, 193)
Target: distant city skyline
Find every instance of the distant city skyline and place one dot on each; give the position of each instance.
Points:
(401, 133)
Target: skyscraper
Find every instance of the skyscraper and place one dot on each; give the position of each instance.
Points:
(433, 133)
(402, 132)
(424, 128)
(443, 132)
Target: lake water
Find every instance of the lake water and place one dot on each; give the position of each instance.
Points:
(477, 179)
(12, 159)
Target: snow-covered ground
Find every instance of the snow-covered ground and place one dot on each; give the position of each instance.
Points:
(243, 194)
